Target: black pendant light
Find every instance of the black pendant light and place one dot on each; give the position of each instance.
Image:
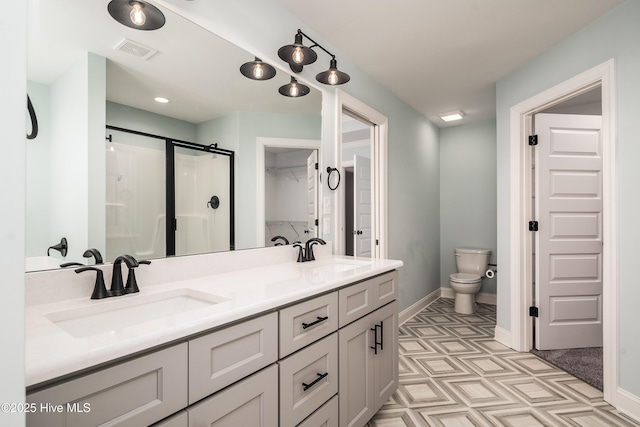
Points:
(294, 89)
(297, 55)
(136, 14)
(333, 76)
(257, 70)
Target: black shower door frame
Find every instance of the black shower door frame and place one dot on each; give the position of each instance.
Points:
(170, 146)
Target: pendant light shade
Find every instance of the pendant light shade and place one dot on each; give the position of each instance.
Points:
(296, 54)
(257, 70)
(294, 89)
(136, 14)
(333, 76)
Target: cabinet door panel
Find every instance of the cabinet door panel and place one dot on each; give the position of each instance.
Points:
(386, 361)
(251, 402)
(223, 357)
(306, 322)
(134, 393)
(356, 373)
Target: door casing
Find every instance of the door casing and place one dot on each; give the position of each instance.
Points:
(520, 256)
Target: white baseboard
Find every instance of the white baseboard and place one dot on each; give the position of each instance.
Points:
(482, 297)
(628, 404)
(502, 336)
(417, 307)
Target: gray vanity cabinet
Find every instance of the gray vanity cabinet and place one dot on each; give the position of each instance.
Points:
(134, 393)
(368, 349)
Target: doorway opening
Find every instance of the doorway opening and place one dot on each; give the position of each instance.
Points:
(566, 164)
(521, 262)
(362, 198)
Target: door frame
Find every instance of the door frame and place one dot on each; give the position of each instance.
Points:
(521, 257)
(261, 144)
(379, 194)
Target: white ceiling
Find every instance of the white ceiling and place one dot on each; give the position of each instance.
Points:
(197, 70)
(444, 55)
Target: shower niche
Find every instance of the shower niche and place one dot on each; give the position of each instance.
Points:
(167, 197)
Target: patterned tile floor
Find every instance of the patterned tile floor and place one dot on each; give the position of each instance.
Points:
(452, 373)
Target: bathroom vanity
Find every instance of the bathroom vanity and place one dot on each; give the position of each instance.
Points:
(280, 344)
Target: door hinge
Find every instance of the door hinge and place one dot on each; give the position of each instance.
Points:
(316, 222)
(533, 311)
(533, 225)
(377, 242)
(533, 139)
(316, 166)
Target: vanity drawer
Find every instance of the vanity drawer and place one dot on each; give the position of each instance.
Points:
(251, 402)
(385, 288)
(221, 358)
(307, 380)
(326, 416)
(355, 301)
(306, 322)
(134, 393)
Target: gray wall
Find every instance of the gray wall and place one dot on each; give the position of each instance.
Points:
(614, 35)
(467, 195)
(262, 27)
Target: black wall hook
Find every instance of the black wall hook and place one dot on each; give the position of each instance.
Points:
(34, 119)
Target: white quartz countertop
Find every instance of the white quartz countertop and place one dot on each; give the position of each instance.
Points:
(53, 351)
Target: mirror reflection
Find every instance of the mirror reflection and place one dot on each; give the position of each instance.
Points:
(87, 72)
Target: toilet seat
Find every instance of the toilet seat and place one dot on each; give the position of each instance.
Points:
(465, 278)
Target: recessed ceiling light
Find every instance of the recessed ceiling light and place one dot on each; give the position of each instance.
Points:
(452, 116)
(161, 100)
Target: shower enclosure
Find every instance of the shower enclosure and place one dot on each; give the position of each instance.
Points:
(166, 196)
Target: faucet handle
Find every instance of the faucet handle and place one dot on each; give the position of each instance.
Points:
(99, 290)
(132, 283)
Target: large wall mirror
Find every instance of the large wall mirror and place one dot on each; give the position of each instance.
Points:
(89, 77)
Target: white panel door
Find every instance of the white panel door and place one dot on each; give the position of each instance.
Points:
(569, 241)
(312, 193)
(362, 233)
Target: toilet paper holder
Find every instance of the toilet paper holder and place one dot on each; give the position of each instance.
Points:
(491, 272)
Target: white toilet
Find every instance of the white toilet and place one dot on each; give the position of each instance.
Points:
(471, 265)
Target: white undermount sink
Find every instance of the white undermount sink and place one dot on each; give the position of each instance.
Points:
(117, 313)
(339, 266)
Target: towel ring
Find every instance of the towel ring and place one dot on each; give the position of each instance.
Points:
(34, 119)
(330, 170)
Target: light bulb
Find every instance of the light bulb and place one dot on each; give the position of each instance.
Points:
(137, 15)
(258, 71)
(333, 78)
(297, 56)
(294, 91)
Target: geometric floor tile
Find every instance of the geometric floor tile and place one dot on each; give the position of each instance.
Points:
(454, 374)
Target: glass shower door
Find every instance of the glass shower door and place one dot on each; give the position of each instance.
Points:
(135, 196)
(203, 202)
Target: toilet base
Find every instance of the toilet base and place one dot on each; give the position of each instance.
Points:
(465, 303)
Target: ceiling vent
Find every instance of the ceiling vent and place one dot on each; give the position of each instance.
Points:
(135, 49)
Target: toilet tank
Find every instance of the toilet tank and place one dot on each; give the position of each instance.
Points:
(473, 261)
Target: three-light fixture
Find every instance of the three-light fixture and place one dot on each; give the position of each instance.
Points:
(297, 55)
(136, 14)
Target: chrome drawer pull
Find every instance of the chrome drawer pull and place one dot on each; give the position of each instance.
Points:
(320, 319)
(306, 387)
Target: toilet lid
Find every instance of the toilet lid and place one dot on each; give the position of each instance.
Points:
(464, 278)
